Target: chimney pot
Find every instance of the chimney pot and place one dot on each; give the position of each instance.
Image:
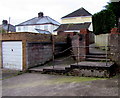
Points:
(4, 22)
(40, 14)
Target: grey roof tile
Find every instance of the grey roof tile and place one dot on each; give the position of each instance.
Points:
(39, 20)
(42, 31)
(11, 27)
(77, 13)
(67, 27)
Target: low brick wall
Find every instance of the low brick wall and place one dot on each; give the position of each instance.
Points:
(39, 53)
(115, 47)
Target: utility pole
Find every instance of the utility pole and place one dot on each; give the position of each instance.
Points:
(8, 26)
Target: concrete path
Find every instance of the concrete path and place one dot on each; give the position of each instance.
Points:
(35, 84)
(92, 49)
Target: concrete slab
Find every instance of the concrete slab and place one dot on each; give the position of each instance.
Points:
(94, 64)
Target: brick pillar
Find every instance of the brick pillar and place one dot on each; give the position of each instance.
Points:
(82, 41)
(114, 42)
(1, 50)
(85, 40)
(0, 54)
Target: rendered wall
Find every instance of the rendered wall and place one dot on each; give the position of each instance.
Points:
(76, 20)
(102, 40)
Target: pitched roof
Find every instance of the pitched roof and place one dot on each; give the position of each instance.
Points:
(39, 20)
(78, 13)
(67, 27)
(11, 27)
(43, 31)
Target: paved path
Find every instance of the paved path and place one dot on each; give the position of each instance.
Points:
(35, 84)
(92, 49)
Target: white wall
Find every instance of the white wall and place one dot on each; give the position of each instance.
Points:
(31, 28)
(91, 27)
(102, 40)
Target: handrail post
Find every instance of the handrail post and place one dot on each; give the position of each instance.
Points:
(53, 50)
(77, 55)
(106, 51)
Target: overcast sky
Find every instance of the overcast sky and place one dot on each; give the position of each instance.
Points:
(22, 10)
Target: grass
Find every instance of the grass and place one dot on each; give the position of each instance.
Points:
(57, 81)
(75, 79)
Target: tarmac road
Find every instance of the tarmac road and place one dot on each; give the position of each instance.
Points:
(36, 84)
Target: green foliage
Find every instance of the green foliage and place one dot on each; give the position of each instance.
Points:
(2, 31)
(115, 8)
(106, 19)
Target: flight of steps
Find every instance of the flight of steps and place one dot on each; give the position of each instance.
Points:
(95, 65)
(100, 57)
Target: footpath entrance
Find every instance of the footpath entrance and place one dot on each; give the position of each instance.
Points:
(88, 60)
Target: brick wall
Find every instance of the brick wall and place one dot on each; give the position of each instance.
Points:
(26, 37)
(114, 42)
(91, 36)
(31, 37)
(65, 33)
(39, 53)
(81, 41)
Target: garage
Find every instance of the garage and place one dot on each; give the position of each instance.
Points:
(12, 55)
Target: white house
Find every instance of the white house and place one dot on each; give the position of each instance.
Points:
(73, 22)
(40, 24)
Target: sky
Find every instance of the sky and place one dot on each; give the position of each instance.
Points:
(22, 10)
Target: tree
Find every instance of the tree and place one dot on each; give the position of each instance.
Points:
(103, 22)
(115, 8)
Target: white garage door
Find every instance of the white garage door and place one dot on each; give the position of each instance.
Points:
(12, 55)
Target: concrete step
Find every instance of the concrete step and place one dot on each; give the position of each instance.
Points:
(98, 59)
(93, 69)
(89, 69)
(96, 56)
(98, 53)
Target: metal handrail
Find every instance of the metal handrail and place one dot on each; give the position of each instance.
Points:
(78, 52)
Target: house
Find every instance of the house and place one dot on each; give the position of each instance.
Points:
(40, 24)
(5, 27)
(73, 22)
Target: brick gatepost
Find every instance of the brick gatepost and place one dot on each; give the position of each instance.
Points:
(114, 42)
(82, 41)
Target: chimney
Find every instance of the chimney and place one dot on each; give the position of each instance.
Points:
(4, 22)
(40, 14)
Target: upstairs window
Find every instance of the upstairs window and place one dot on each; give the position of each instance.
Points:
(37, 27)
(46, 27)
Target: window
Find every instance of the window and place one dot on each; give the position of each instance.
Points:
(37, 27)
(25, 28)
(46, 27)
(19, 28)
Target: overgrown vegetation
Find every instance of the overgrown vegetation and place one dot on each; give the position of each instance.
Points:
(106, 19)
(2, 31)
